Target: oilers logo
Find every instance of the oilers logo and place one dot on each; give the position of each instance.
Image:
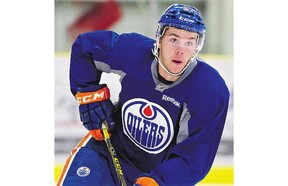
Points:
(147, 124)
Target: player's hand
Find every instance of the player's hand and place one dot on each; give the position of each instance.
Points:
(98, 134)
(95, 107)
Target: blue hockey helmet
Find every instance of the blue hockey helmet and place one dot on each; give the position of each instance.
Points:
(182, 17)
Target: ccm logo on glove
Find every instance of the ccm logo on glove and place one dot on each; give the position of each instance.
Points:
(91, 97)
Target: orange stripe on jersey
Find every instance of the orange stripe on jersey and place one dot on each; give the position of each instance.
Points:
(71, 157)
(91, 97)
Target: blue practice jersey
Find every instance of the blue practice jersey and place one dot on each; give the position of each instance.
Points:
(171, 131)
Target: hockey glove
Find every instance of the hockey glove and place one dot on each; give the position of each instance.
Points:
(95, 107)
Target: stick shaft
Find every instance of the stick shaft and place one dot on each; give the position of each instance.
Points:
(114, 157)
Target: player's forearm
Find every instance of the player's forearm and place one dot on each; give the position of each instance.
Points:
(83, 72)
(191, 159)
(177, 171)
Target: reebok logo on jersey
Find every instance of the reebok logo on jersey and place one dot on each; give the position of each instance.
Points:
(147, 125)
(172, 100)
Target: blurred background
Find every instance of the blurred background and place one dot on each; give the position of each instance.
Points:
(73, 17)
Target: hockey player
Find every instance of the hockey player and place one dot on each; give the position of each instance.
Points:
(168, 122)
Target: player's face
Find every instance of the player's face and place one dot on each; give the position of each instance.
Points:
(177, 46)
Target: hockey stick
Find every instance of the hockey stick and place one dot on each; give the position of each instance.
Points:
(112, 152)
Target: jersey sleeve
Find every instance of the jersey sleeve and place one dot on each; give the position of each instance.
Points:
(87, 48)
(190, 160)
